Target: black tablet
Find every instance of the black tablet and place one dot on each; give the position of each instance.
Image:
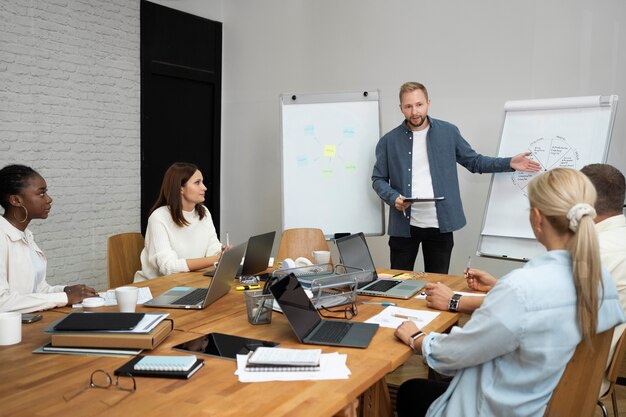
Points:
(223, 345)
(423, 200)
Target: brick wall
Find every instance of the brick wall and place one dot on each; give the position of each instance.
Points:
(69, 107)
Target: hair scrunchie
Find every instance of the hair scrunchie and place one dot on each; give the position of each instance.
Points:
(578, 212)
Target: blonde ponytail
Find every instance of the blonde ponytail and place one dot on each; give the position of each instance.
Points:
(566, 198)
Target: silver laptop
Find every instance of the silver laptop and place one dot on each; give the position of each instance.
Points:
(257, 255)
(354, 252)
(199, 298)
(307, 324)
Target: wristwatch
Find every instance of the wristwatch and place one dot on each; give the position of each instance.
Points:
(412, 339)
(454, 303)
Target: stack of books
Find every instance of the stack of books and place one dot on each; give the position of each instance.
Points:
(104, 333)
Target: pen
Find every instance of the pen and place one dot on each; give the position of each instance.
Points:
(397, 275)
(402, 316)
(385, 303)
(248, 287)
(227, 239)
(469, 263)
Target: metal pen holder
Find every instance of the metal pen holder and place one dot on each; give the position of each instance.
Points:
(259, 306)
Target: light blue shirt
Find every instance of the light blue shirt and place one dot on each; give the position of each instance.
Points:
(509, 357)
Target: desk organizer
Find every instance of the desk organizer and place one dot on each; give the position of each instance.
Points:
(330, 286)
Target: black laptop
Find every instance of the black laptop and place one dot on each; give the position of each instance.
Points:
(306, 322)
(354, 252)
(257, 255)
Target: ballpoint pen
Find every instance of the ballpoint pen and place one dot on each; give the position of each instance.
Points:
(382, 303)
(227, 239)
(469, 263)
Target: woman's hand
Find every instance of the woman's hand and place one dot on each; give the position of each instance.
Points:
(405, 330)
(77, 293)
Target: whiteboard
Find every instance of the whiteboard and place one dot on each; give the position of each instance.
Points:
(328, 152)
(565, 132)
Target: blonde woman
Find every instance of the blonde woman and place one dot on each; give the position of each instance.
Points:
(509, 357)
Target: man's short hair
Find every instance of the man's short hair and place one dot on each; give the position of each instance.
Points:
(610, 186)
(412, 86)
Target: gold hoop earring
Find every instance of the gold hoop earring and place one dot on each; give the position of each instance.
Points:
(25, 216)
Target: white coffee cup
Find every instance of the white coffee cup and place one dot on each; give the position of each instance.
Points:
(10, 328)
(126, 298)
(321, 256)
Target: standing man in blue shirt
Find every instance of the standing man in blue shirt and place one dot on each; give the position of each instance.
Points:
(418, 159)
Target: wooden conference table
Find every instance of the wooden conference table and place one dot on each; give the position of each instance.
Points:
(34, 384)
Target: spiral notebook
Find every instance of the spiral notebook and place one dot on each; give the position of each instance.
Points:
(272, 359)
(165, 363)
(161, 366)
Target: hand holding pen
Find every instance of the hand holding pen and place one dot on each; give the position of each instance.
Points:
(479, 280)
(401, 205)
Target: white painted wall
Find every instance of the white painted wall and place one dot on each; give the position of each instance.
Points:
(472, 56)
(69, 95)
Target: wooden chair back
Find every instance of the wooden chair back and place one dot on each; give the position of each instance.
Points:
(301, 242)
(577, 392)
(612, 373)
(123, 258)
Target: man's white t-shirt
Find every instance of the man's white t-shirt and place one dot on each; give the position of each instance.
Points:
(422, 214)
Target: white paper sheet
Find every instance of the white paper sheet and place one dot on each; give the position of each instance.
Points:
(392, 317)
(332, 366)
(143, 295)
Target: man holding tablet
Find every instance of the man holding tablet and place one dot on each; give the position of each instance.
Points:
(418, 159)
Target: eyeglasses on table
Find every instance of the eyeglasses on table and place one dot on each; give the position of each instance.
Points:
(346, 312)
(101, 379)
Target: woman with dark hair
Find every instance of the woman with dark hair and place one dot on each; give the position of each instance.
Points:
(180, 236)
(23, 287)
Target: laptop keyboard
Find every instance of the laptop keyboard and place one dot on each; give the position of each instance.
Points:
(194, 297)
(332, 331)
(383, 285)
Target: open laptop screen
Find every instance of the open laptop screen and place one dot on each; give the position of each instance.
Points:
(354, 252)
(295, 304)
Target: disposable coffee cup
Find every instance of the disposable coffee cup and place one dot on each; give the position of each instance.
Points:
(321, 257)
(10, 328)
(126, 298)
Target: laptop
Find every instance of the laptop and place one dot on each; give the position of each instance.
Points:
(354, 252)
(257, 255)
(199, 298)
(307, 324)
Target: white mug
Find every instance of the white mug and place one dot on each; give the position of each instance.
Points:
(10, 328)
(126, 298)
(321, 256)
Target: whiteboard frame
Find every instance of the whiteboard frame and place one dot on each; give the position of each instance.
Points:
(288, 99)
(487, 242)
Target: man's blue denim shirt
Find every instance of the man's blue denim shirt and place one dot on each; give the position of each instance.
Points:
(445, 146)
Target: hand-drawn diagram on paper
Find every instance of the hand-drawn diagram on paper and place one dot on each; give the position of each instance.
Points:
(550, 152)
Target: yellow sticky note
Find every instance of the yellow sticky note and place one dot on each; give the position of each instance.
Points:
(330, 151)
